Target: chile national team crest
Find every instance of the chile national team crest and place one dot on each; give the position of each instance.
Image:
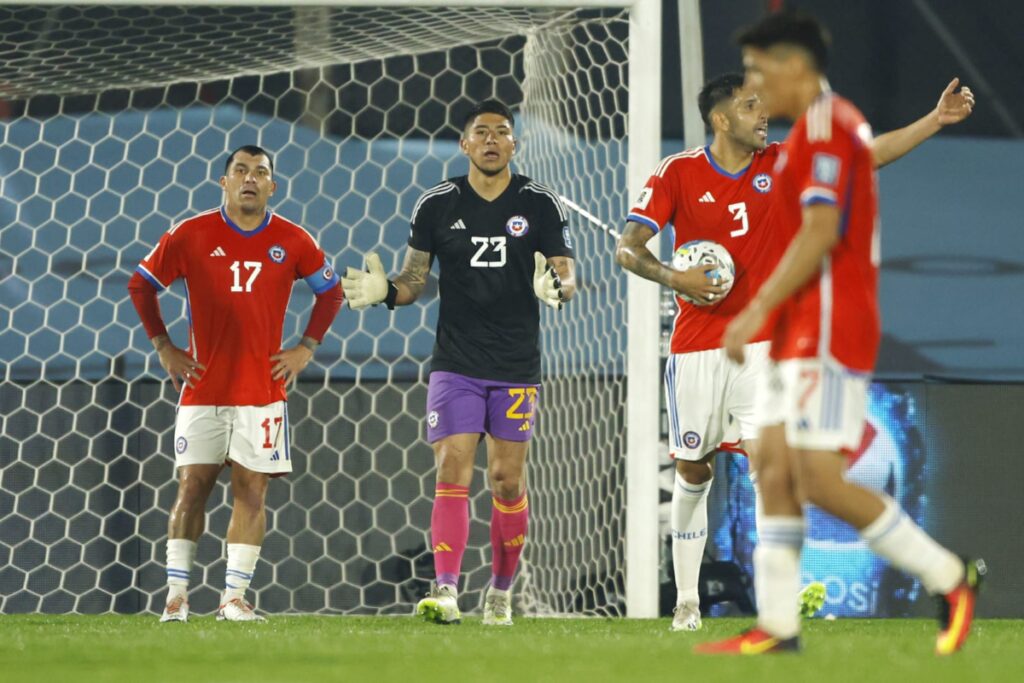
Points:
(517, 226)
(763, 183)
(277, 253)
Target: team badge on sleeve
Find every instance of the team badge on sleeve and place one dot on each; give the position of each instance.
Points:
(432, 419)
(826, 169)
(517, 226)
(763, 183)
(277, 253)
(181, 444)
(691, 440)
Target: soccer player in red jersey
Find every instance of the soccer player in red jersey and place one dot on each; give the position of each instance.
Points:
(723, 192)
(239, 263)
(824, 339)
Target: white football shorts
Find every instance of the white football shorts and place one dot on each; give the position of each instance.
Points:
(255, 437)
(822, 403)
(712, 400)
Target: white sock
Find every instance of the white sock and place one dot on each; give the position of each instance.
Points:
(895, 537)
(689, 536)
(181, 553)
(758, 503)
(241, 564)
(777, 575)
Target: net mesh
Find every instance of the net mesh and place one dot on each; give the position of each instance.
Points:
(117, 123)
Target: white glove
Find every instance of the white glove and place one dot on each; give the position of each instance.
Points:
(365, 288)
(546, 284)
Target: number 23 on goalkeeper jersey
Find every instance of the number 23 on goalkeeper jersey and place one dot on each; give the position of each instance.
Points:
(237, 287)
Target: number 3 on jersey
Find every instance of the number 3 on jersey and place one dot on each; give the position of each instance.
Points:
(495, 244)
(253, 267)
(739, 213)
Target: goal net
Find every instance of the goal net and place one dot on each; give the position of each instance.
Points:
(115, 123)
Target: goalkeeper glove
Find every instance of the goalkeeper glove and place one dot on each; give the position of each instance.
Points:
(369, 287)
(546, 284)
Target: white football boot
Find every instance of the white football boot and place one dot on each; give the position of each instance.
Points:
(238, 609)
(497, 608)
(175, 610)
(441, 606)
(686, 617)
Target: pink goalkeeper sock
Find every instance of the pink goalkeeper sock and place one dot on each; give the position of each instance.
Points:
(508, 536)
(449, 531)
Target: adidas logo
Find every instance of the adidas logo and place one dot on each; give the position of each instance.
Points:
(458, 225)
(218, 252)
(442, 548)
(525, 427)
(515, 542)
(707, 198)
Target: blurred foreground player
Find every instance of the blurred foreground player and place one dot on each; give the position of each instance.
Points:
(824, 341)
(502, 242)
(724, 192)
(239, 263)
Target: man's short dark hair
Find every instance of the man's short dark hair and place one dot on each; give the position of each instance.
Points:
(790, 28)
(488, 107)
(717, 90)
(251, 150)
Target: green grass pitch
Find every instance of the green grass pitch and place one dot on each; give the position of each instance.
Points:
(115, 648)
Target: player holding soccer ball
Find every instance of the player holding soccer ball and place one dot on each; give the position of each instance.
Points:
(239, 263)
(502, 242)
(824, 340)
(725, 192)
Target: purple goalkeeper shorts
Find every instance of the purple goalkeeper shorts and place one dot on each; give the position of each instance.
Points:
(457, 404)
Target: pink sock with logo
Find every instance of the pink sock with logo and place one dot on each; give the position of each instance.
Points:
(449, 531)
(508, 536)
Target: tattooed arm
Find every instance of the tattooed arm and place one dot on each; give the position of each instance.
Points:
(632, 254)
(413, 278)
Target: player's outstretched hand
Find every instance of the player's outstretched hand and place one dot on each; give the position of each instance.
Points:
(954, 107)
(698, 285)
(365, 288)
(179, 364)
(741, 330)
(290, 362)
(546, 284)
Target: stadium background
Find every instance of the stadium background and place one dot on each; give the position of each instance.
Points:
(953, 343)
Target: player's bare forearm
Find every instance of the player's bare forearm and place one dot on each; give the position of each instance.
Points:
(413, 278)
(952, 108)
(565, 268)
(816, 238)
(890, 146)
(632, 254)
(160, 342)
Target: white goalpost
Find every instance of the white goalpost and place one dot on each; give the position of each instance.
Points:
(116, 121)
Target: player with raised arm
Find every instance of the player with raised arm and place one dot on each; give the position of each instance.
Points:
(502, 242)
(239, 263)
(724, 192)
(824, 340)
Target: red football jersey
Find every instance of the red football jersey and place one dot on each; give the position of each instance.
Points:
(237, 286)
(827, 159)
(704, 202)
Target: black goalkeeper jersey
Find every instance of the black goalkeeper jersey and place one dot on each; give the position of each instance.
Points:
(488, 327)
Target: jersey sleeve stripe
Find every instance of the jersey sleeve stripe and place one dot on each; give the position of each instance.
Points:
(563, 214)
(144, 272)
(667, 161)
(443, 188)
(637, 218)
(818, 195)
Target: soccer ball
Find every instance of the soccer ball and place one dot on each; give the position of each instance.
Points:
(706, 253)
